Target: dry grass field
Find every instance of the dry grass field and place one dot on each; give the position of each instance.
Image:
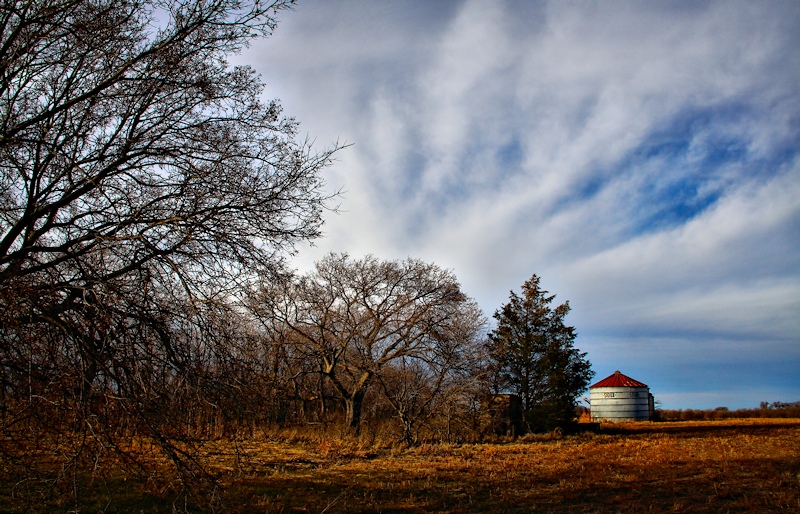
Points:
(748, 465)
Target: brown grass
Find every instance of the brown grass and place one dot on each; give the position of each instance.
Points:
(706, 466)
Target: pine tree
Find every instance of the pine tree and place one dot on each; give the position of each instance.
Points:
(532, 354)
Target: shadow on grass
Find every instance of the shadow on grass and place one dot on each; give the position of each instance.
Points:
(696, 428)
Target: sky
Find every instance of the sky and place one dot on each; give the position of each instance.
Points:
(642, 158)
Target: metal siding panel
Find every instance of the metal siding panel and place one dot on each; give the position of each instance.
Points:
(620, 403)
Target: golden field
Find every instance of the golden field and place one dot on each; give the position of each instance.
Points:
(746, 465)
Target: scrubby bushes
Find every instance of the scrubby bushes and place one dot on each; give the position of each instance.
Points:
(766, 410)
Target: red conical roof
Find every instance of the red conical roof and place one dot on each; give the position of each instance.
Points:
(618, 380)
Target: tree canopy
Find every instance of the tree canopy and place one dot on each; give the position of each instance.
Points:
(129, 143)
(366, 319)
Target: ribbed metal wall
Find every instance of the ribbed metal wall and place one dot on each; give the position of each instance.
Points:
(620, 403)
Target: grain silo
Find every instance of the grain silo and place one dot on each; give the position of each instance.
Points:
(620, 398)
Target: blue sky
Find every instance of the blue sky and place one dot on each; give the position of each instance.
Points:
(640, 157)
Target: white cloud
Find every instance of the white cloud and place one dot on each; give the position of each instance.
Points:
(640, 157)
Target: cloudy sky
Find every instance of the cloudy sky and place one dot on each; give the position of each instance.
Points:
(643, 158)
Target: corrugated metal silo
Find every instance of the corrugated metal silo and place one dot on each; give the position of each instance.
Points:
(620, 398)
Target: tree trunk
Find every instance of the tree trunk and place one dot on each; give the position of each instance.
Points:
(353, 404)
(353, 398)
(408, 429)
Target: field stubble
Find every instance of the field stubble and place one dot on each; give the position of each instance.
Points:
(715, 466)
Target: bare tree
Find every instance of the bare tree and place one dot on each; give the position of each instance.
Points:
(357, 317)
(142, 180)
(418, 386)
(127, 143)
(531, 353)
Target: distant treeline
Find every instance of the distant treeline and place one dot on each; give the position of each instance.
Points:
(766, 410)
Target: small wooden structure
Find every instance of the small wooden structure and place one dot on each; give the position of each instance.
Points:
(501, 414)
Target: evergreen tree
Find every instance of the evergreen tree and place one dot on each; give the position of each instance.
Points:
(532, 354)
